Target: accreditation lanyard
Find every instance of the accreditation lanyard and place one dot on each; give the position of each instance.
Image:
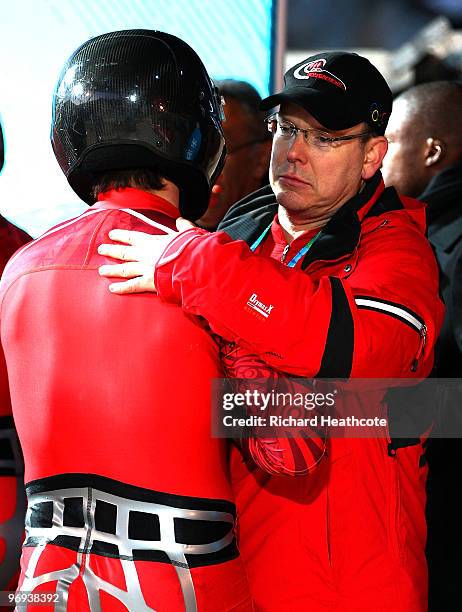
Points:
(296, 258)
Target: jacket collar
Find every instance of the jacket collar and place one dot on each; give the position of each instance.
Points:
(340, 236)
(443, 194)
(136, 199)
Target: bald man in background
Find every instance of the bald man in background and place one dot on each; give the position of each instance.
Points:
(248, 144)
(424, 160)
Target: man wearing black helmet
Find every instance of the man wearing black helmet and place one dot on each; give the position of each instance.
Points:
(322, 274)
(129, 501)
(12, 500)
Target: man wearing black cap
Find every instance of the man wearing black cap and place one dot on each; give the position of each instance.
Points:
(322, 274)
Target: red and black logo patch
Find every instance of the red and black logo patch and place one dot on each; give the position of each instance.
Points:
(315, 70)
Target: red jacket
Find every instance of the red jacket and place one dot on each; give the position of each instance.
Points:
(363, 303)
(94, 376)
(111, 395)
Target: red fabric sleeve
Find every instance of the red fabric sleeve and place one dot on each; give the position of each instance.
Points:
(311, 324)
(215, 277)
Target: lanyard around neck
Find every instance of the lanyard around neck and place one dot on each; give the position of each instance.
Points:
(296, 258)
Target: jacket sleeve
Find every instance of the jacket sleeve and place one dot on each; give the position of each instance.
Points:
(380, 321)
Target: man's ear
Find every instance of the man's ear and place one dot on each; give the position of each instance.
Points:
(434, 151)
(374, 152)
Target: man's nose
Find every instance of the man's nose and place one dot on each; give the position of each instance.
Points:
(297, 150)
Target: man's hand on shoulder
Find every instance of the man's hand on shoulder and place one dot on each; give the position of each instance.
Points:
(140, 253)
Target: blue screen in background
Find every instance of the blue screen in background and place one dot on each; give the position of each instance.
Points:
(233, 39)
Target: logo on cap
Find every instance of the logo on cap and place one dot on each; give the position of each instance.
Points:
(315, 70)
(376, 117)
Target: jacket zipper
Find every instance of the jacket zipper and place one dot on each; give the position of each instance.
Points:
(405, 316)
(284, 252)
(423, 340)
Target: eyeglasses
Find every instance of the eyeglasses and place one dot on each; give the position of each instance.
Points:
(281, 128)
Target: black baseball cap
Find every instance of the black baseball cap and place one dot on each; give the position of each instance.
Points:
(339, 89)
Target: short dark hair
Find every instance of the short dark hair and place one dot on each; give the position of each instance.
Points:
(241, 91)
(140, 178)
(249, 100)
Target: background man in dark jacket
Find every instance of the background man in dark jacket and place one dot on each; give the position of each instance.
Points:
(424, 160)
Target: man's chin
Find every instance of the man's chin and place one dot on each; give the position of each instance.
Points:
(292, 201)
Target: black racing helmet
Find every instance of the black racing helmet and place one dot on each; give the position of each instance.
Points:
(137, 99)
(2, 148)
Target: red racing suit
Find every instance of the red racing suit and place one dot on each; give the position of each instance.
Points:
(129, 500)
(362, 303)
(12, 498)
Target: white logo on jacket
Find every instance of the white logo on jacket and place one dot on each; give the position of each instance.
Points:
(260, 307)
